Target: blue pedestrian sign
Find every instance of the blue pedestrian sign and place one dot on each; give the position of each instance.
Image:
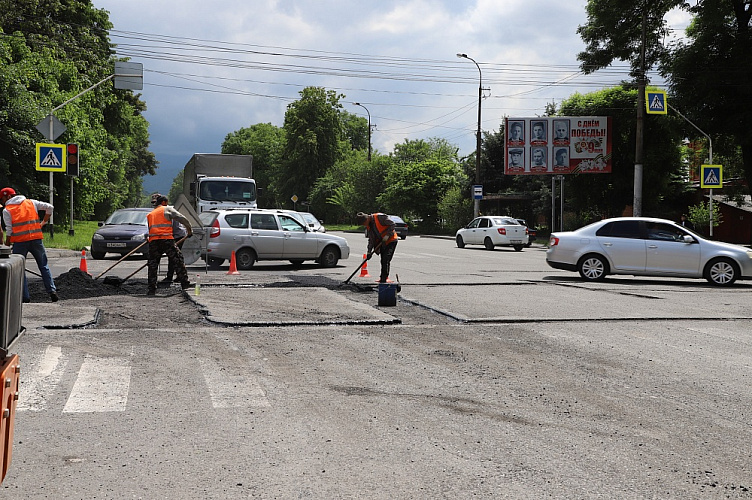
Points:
(51, 157)
(711, 176)
(655, 101)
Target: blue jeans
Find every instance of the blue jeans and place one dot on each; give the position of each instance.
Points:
(36, 247)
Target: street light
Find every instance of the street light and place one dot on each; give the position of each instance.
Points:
(369, 127)
(476, 208)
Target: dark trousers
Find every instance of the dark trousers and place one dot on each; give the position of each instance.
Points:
(171, 264)
(157, 248)
(387, 253)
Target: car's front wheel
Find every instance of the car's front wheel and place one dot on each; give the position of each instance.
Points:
(460, 242)
(329, 257)
(721, 272)
(97, 255)
(592, 268)
(245, 258)
(488, 243)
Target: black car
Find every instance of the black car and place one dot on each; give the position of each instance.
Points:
(400, 226)
(531, 232)
(123, 231)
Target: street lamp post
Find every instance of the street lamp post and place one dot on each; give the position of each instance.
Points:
(476, 207)
(369, 127)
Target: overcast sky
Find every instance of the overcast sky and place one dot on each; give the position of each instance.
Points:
(211, 68)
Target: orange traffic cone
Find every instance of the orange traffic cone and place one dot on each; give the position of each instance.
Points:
(233, 265)
(364, 269)
(82, 266)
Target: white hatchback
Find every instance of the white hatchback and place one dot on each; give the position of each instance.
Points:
(643, 246)
(258, 234)
(491, 231)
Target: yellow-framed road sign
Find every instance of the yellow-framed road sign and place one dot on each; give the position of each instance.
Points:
(51, 157)
(655, 102)
(711, 176)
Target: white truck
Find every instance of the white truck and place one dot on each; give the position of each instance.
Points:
(219, 181)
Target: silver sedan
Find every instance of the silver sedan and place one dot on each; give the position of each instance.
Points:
(643, 246)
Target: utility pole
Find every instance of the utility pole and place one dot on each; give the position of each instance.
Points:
(639, 133)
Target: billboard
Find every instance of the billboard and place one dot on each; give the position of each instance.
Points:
(558, 145)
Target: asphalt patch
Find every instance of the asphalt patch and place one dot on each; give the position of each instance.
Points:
(76, 284)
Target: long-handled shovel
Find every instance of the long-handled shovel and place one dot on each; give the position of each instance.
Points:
(114, 280)
(361, 265)
(122, 259)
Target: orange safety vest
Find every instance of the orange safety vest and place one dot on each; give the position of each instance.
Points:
(25, 224)
(382, 229)
(160, 227)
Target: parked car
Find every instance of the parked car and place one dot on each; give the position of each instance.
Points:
(400, 226)
(492, 231)
(313, 222)
(643, 246)
(259, 234)
(123, 231)
(531, 232)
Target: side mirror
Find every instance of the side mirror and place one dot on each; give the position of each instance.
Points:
(688, 239)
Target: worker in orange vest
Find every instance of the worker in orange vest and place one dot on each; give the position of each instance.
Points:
(23, 230)
(382, 239)
(161, 241)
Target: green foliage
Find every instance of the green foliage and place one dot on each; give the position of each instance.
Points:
(314, 131)
(454, 209)
(611, 193)
(614, 32)
(49, 52)
(717, 49)
(699, 215)
(266, 143)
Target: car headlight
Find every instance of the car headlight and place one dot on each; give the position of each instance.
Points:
(97, 236)
(138, 237)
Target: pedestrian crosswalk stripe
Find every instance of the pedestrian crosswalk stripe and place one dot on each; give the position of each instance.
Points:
(101, 386)
(40, 380)
(232, 390)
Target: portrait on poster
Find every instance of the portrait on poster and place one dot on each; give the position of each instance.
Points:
(538, 162)
(561, 160)
(561, 132)
(516, 133)
(516, 160)
(538, 133)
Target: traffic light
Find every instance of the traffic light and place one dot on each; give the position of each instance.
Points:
(72, 160)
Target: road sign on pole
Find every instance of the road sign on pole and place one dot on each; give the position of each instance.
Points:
(478, 192)
(129, 75)
(711, 176)
(51, 157)
(655, 101)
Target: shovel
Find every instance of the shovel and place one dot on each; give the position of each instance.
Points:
(115, 281)
(360, 266)
(121, 259)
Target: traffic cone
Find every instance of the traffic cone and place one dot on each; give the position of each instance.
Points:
(82, 266)
(233, 265)
(364, 269)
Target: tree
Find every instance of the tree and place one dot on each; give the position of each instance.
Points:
(49, 52)
(314, 130)
(266, 143)
(711, 76)
(610, 194)
(614, 31)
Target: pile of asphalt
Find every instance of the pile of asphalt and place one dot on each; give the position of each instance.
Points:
(76, 284)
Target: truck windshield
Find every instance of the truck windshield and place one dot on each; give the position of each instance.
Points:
(227, 191)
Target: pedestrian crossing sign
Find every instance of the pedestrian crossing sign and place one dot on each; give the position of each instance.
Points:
(655, 100)
(51, 157)
(711, 176)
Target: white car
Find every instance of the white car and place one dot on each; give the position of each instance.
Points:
(491, 231)
(643, 246)
(258, 234)
(313, 223)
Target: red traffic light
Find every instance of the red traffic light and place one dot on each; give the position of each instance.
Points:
(72, 149)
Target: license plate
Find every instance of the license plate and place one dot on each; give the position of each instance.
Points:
(115, 245)
(516, 242)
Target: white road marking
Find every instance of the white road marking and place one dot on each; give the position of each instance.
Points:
(102, 385)
(37, 386)
(232, 390)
